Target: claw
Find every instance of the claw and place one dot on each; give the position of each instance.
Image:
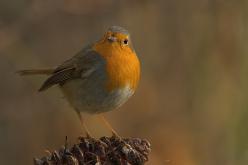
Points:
(48, 152)
(88, 135)
(115, 135)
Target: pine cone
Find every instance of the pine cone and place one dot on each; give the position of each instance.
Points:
(103, 151)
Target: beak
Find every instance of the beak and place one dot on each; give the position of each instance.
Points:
(112, 39)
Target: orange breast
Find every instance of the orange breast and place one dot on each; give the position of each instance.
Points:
(123, 66)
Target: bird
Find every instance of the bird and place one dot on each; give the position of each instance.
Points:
(99, 78)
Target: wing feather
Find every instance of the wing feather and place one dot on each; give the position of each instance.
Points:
(58, 78)
(81, 66)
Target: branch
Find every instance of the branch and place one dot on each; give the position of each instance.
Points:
(103, 151)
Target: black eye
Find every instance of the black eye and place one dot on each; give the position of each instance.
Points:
(125, 41)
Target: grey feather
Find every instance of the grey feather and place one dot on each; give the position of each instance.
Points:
(118, 29)
(58, 78)
(82, 65)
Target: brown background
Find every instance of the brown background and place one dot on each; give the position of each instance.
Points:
(192, 100)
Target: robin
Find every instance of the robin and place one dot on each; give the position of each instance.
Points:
(99, 78)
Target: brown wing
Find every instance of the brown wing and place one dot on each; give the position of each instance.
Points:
(58, 78)
(80, 66)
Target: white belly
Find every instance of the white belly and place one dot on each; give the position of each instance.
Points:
(94, 99)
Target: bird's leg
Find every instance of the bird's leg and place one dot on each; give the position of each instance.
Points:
(83, 124)
(114, 133)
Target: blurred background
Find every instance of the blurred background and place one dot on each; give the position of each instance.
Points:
(192, 100)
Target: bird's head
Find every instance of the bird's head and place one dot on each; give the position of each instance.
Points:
(118, 38)
(122, 64)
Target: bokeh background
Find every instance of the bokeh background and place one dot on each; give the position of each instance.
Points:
(192, 100)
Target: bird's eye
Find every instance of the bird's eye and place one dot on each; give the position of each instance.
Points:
(125, 42)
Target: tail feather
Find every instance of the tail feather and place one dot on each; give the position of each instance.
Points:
(35, 72)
